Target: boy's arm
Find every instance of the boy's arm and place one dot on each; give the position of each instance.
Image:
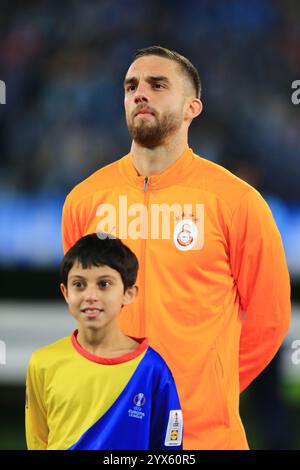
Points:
(259, 269)
(166, 422)
(35, 410)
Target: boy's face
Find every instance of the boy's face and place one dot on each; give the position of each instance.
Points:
(95, 295)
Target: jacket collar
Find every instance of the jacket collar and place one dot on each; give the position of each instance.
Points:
(170, 176)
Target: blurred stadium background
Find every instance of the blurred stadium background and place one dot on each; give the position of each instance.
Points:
(63, 64)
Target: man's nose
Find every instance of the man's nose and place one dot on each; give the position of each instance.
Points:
(140, 94)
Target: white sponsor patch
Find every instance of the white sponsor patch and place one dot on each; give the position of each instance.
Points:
(174, 430)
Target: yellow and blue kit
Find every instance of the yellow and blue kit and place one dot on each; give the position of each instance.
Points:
(78, 401)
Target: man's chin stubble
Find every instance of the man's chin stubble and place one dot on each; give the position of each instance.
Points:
(149, 138)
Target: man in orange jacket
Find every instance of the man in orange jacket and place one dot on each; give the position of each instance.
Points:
(214, 287)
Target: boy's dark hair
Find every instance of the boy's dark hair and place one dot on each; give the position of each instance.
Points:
(101, 249)
(186, 65)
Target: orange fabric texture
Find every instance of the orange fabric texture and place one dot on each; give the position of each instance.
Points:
(218, 312)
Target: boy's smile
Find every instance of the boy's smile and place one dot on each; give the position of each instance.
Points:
(92, 312)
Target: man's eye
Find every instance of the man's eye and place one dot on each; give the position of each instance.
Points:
(158, 85)
(131, 88)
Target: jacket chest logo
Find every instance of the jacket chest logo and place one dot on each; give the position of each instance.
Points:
(185, 235)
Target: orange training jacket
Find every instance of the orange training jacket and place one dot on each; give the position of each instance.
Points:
(214, 292)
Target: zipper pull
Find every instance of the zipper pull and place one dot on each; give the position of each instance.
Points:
(146, 181)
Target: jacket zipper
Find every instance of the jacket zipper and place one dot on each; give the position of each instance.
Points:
(146, 182)
(143, 263)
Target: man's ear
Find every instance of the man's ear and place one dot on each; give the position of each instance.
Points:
(64, 291)
(130, 294)
(193, 109)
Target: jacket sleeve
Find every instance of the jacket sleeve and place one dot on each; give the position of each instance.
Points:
(70, 226)
(260, 272)
(166, 419)
(35, 410)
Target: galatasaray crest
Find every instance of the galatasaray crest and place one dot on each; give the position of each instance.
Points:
(185, 234)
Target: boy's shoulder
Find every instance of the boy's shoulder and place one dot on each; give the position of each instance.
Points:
(156, 357)
(51, 353)
(157, 363)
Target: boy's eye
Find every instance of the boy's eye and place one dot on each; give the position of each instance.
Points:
(78, 284)
(104, 284)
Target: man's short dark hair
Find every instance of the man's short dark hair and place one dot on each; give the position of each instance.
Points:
(101, 249)
(186, 65)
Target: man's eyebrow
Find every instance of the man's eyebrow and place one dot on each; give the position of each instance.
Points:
(158, 78)
(151, 78)
(129, 80)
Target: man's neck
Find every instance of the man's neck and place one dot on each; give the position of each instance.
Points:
(154, 161)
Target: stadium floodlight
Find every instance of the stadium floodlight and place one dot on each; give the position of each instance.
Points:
(2, 92)
(2, 353)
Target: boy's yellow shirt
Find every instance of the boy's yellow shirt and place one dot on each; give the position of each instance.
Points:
(70, 393)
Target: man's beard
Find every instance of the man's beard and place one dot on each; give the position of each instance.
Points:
(150, 134)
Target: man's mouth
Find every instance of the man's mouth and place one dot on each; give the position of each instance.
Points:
(144, 113)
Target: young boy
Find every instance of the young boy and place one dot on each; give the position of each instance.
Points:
(100, 389)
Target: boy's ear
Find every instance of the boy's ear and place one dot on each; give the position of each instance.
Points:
(64, 291)
(130, 294)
